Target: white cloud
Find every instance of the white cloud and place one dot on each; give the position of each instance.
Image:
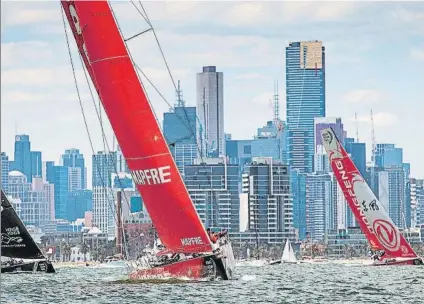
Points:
(252, 76)
(28, 13)
(381, 119)
(244, 40)
(417, 54)
(46, 76)
(365, 96)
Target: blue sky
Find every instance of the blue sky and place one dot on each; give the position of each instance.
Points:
(374, 53)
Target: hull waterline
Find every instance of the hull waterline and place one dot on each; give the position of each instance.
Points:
(36, 266)
(398, 262)
(200, 268)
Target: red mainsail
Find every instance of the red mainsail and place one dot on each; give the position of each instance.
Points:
(373, 219)
(148, 157)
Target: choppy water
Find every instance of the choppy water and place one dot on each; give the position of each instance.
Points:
(304, 283)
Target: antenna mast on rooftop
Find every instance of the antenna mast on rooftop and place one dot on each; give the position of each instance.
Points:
(276, 104)
(179, 94)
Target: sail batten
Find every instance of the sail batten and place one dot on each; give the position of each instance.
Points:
(143, 145)
(369, 212)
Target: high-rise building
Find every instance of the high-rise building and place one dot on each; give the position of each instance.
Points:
(267, 184)
(321, 123)
(213, 187)
(59, 177)
(4, 171)
(357, 152)
(298, 190)
(79, 201)
(103, 166)
(104, 210)
(22, 157)
(388, 155)
(121, 162)
(391, 193)
(29, 199)
(210, 110)
(73, 159)
(305, 96)
(419, 194)
(36, 164)
(321, 213)
(179, 128)
(321, 163)
(270, 142)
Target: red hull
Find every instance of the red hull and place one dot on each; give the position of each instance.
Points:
(197, 268)
(399, 263)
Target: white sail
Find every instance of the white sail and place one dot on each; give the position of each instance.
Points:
(288, 253)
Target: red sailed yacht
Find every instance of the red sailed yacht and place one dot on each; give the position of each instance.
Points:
(375, 223)
(108, 62)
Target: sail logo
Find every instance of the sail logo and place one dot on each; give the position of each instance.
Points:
(154, 176)
(12, 235)
(192, 241)
(13, 231)
(78, 29)
(386, 234)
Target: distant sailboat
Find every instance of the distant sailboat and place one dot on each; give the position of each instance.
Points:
(288, 254)
(19, 251)
(288, 257)
(382, 234)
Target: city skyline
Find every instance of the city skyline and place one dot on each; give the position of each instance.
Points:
(364, 67)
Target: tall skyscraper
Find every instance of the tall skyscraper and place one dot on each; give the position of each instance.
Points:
(73, 159)
(103, 166)
(22, 157)
(213, 187)
(121, 162)
(59, 177)
(388, 155)
(179, 128)
(4, 171)
(305, 96)
(210, 110)
(321, 212)
(357, 152)
(266, 182)
(321, 163)
(36, 164)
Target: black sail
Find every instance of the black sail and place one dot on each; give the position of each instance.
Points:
(16, 242)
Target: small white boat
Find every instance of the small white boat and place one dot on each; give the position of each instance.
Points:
(288, 257)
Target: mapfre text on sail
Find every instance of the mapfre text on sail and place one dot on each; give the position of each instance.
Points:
(154, 176)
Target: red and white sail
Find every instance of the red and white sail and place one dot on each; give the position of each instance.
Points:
(148, 157)
(373, 219)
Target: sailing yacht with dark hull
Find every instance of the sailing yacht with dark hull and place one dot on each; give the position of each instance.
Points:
(19, 251)
(189, 250)
(382, 234)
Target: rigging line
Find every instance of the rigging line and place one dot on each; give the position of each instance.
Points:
(170, 74)
(188, 125)
(133, 62)
(80, 102)
(147, 19)
(82, 107)
(106, 143)
(159, 45)
(101, 126)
